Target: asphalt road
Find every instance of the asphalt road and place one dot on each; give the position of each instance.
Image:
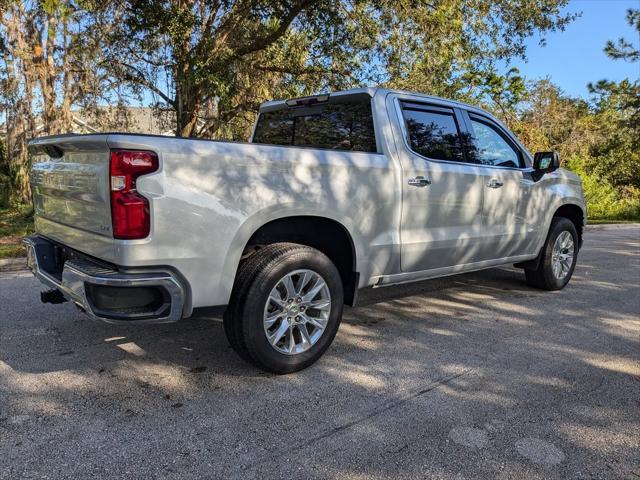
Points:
(474, 376)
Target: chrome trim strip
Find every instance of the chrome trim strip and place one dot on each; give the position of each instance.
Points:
(74, 279)
(399, 278)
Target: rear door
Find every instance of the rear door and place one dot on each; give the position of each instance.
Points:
(70, 188)
(441, 220)
(509, 226)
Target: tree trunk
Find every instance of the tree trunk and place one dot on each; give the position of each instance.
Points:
(17, 155)
(20, 120)
(187, 104)
(67, 90)
(47, 76)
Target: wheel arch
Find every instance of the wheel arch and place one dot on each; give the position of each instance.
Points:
(571, 211)
(317, 230)
(324, 234)
(576, 214)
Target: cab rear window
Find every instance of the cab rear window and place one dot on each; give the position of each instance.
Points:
(344, 125)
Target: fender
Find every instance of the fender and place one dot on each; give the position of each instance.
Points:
(262, 217)
(534, 263)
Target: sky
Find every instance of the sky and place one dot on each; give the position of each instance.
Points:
(574, 57)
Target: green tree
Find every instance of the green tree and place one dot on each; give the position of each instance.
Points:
(624, 49)
(50, 55)
(212, 62)
(4, 176)
(599, 139)
(452, 48)
(595, 139)
(616, 156)
(550, 120)
(615, 150)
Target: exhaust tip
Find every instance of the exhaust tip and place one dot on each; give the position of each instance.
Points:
(52, 296)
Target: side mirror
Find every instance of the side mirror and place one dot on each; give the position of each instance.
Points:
(545, 162)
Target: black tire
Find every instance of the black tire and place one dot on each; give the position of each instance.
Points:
(257, 276)
(543, 276)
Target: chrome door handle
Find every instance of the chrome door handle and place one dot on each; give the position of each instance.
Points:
(419, 181)
(493, 183)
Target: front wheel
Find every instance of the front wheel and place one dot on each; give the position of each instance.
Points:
(285, 308)
(558, 257)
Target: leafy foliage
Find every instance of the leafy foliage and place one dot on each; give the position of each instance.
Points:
(615, 153)
(624, 49)
(50, 62)
(214, 62)
(597, 139)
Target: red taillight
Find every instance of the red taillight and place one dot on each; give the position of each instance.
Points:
(130, 214)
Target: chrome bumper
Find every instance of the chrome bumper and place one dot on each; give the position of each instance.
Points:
(79, 274)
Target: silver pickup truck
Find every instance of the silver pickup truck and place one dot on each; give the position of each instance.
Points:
(335, 192)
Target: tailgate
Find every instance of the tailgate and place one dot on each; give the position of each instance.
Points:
(70, 187)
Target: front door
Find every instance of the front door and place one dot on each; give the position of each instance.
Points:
(441, 221)
(509, 225)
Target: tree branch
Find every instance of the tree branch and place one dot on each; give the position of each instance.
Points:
(142, 80)
(299, 71)
(263, 42)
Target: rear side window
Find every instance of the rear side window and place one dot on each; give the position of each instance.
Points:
(489, 146)
(433, 133)
(347, 125)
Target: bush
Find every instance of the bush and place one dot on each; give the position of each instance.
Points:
(604, 201)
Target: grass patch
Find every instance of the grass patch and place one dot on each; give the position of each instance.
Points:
(16, 222)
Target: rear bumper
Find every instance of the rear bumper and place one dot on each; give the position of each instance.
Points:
(104, 292)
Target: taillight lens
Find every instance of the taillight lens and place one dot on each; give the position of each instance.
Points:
(130, 215)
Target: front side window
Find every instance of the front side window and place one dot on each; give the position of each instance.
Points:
(433, 133)
(490, 147)
(347, 125)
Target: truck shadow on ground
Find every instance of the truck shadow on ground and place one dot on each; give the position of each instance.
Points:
(76, 342)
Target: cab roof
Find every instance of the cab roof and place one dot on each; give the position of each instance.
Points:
(370, 91)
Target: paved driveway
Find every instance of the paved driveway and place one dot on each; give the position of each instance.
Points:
(475, 376)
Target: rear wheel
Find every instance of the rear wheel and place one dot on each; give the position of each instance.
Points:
(558, 257)
(285, 308)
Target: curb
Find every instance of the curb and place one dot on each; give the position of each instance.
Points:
(612, 226)
(13, 264)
